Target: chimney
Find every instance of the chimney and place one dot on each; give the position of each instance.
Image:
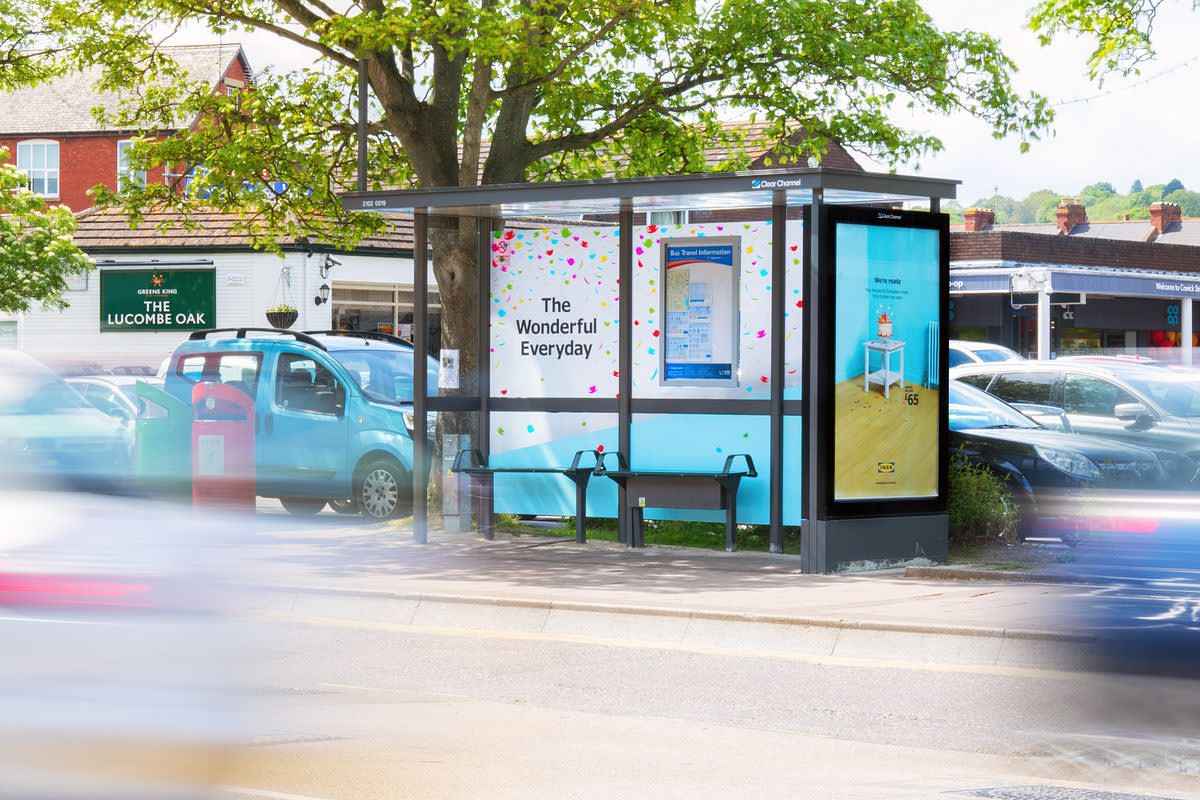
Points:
(979, 219)
(1070, 213)
(1163, 215)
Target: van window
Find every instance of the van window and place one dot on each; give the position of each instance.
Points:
(240, 370)
(304, 384)
(1026, 387)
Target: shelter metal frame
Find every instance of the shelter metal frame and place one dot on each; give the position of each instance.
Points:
(778, 189)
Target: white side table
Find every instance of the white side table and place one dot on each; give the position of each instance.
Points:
(884, 376)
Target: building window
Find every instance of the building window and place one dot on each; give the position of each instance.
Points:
(668, 218)
(38, 159)
(127, 176)
(383, 308)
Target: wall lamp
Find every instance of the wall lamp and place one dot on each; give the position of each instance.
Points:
(329, 263)
(322, 295)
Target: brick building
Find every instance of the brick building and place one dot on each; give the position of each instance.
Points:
(51, 132)
(1076, 286)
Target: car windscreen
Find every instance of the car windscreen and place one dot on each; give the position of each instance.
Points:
(971, 409)
(994, 355)
(38, 394)
(384, 374)
(1178, 395)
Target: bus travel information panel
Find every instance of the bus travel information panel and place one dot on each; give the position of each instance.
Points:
(700, 321)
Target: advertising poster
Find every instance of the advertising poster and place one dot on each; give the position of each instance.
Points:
(700, 322)
(886, 405)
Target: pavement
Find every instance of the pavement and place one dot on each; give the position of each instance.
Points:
(677, 597)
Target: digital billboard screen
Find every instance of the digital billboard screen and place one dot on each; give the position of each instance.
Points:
(888, 289)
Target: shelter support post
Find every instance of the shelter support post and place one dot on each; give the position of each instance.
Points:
(935, 205)
(485, 510)
(1043, 324)
(625, 361)
(421, 454)
(362, 124)
(778, 365)
(1185, 330)
(813, 532)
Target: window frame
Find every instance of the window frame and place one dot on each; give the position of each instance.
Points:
(124, 171)
(1117, 387)
(257, 355)
(1055, 386)
(45, 171)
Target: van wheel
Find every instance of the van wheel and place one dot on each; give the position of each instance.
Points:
(382, 489)
(302, 506)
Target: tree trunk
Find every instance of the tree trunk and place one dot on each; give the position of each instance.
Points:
(453, 241)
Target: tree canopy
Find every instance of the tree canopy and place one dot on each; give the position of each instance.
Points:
(1122, 30)
(495, 91)
(37, 254)
(1103, 204)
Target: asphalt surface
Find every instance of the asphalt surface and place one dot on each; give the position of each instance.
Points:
(366, 711)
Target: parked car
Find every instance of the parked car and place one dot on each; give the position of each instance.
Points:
(333, 412)
(964, 352)
(51, 437)
(114, 394)
(1142, 405)
(1042, 467)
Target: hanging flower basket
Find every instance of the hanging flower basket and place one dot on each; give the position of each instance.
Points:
(282, 316)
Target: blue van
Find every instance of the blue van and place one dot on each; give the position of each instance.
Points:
(333, 412)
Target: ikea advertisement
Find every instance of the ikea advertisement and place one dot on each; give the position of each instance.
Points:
(887, 345)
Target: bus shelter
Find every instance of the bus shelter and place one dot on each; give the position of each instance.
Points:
(784, 326)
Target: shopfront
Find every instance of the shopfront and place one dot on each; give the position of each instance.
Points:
(1086, 311)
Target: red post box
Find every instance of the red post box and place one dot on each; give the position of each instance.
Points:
(222, 447)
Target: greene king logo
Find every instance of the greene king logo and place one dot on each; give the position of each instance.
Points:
(157, 280)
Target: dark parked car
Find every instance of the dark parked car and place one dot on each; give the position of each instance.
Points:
(1130, 402)
(1041, 467)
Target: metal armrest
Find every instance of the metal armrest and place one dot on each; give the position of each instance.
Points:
(476, 460)
(621, 462)
(579, 454)
(751, 472)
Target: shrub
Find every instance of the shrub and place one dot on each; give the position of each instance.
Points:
(981, 509)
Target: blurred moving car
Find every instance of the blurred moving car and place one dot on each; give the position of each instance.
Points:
(1119, 401)
(51, 437)
(124, 669)
(333, 412)
(1041, 467)
(964, 352)
(114, 394)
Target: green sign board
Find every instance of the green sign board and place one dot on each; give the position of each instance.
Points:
(157, 299)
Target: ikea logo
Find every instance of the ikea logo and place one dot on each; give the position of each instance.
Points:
(885, 467)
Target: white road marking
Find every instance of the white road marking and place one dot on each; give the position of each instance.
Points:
(266, 793)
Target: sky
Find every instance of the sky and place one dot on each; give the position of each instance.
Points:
(1141, 127)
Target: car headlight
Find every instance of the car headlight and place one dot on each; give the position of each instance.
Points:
(1070, 462)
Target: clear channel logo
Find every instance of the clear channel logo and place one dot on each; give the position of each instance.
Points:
(777, 183)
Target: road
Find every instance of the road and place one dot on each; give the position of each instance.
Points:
(367, 711)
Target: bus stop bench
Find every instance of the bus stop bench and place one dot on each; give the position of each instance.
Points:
(471, 462)
(707, 491)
